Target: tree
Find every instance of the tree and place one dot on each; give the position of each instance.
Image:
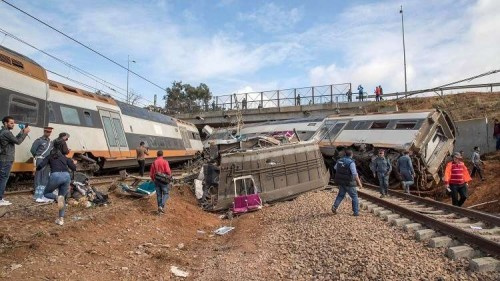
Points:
(134, 97)
(186, 98)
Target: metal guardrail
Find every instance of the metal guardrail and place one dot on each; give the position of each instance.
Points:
(326, 94)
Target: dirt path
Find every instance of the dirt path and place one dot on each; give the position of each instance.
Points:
(295, 240)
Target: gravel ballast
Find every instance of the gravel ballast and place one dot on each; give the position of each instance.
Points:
(303, 240)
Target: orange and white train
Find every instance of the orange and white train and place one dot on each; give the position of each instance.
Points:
(100, 127)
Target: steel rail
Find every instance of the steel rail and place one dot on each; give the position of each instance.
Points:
(486, 245)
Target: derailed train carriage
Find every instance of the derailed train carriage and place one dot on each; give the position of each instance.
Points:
(103, 132)
(429, 135)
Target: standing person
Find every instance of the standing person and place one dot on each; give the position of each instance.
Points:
(142, 151)
(349, 95)
(160, 174)
(456, 178)
(7, 152)
(60, 179)
(360, 92)
(477, 162)
(381, 92)
(244, 103)
(346, 176)
(297, 100)
(405, 168)
(40, 149)
(377, 93)
(381, 168)
(496, 133)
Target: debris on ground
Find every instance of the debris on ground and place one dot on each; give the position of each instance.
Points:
(223, 230)
(177, 272)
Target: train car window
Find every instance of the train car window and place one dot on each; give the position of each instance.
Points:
(17, 63)
(70, 89)
(23, 109)
(4, 58)
(109, 131)
(406, 125)
(119, 130)
(88, 119)
(379, 125)
(70, 115)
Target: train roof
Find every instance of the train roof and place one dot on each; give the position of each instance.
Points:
(420, 114)
(142, 113)
(16, 62)
(16, 54)
(58, 86)
(286, 121)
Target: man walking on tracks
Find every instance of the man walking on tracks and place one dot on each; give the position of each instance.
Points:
(456, 177)
(142, 151)
(346, 178)
(477, 163)
(406, 171)
(7, 152)
(381, 168)
(40, 148)
(161, 175)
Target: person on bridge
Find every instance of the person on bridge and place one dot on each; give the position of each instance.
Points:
(244, 103)
(477, 163)
(360, 92)
(161, 175)
(349, 95)
(496, 133)
(381, 92)
(381, 168)
(40, 148)
(456, 178)
(377, 93)
(405, 168)
(297, 100)
(346, 177)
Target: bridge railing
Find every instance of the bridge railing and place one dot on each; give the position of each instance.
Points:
(332, 93)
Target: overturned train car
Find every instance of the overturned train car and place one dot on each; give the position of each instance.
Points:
(429, 135)
(280, 172)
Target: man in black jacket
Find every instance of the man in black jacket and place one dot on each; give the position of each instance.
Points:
(346, 177)
(7, 152)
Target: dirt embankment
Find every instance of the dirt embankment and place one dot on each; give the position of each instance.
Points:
(487, 191)
(462, 106)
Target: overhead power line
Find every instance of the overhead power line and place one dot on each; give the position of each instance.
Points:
(84, 72)
(83, 45)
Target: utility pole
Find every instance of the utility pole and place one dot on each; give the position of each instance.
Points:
(128, 70)
(404, 49)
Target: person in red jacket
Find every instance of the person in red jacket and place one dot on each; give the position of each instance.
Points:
(159, 171)
(456, 177)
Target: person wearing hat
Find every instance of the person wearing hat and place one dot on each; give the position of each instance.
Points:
(381, 168)
(456, 178)
(40, 149)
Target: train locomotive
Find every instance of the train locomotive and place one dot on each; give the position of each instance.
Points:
(104, 132)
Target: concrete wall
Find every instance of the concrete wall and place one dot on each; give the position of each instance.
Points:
(475, 132)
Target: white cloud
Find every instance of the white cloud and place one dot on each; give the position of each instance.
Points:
(440, 49)
(272, 18)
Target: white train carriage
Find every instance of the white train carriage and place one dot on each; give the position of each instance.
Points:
(100, 127)
(305, 127)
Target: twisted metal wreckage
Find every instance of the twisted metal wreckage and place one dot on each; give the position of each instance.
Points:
(287, 158)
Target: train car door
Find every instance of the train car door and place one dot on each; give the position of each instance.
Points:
(185, 137)
(115, 135)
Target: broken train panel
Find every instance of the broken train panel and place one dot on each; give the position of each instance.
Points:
(429, 135)
(280, 173)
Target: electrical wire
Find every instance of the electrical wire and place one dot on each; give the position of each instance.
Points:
(83, 45)
(85, 73)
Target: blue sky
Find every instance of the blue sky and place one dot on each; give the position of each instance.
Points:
(241, 46)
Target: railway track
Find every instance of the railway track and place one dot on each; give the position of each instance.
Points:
(464, 232)
(26, 187)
